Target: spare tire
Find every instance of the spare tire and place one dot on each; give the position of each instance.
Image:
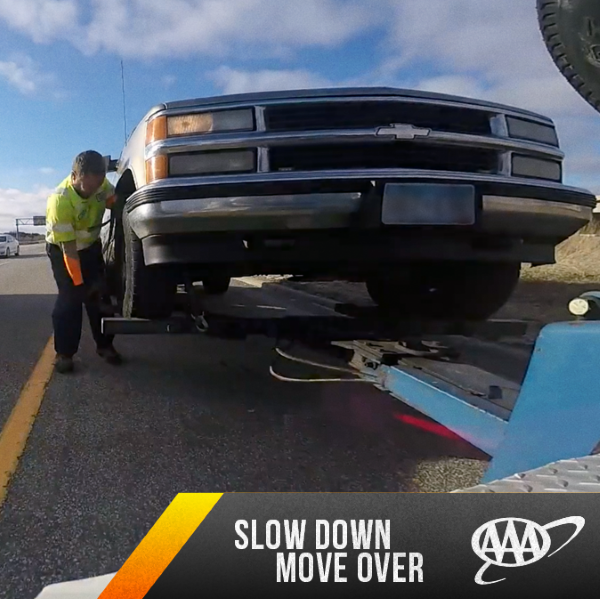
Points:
(571, 30)
(148, 291)
(466, 291)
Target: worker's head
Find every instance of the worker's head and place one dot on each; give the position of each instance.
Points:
(89, 172)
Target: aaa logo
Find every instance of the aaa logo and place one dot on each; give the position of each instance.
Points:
(514, 550)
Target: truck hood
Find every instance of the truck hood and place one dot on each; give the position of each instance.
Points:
(341, 92)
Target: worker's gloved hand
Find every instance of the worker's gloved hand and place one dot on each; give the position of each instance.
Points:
(95, 291)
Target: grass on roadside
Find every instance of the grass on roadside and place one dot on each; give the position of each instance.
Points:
(544, 292)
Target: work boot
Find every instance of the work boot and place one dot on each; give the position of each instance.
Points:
(110, 354)
(63, 364)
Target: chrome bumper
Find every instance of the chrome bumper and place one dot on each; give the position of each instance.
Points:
(156, 210)
(499, 215)
(254, 213)
(519, 216)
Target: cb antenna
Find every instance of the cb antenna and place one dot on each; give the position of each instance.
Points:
(124, 102)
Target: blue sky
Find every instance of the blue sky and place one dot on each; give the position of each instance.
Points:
(60, 70)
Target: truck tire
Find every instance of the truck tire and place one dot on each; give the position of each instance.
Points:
(471, 291)
(216, 284)
(148, 291)
(571, 31)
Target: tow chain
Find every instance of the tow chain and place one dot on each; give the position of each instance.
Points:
(201, 323)
(198, 315)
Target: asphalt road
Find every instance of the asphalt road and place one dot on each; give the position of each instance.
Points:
(111, 447)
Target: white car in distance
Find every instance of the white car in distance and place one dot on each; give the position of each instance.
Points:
(9, 246)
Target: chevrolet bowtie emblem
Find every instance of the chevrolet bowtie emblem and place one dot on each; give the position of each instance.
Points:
(402, 131)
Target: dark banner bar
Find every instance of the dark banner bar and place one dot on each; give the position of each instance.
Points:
(385, 545)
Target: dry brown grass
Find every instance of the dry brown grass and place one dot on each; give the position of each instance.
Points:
(577, 261)
(544, 292)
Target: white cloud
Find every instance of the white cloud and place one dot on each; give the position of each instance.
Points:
(47, 170)
(232, 81)
(467, 35)
(150, 28)
(43, 20)
(155, 28)
(169, 80)
(17, 76)
(15, 204)
(22, 73)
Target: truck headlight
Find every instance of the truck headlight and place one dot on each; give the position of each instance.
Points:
(165, 127)
(210, 122)
(212, 163)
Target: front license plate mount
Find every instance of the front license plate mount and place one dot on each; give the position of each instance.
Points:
(428, 204)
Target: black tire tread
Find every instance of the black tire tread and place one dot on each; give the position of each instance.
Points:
(548, 19)
(472, 291)
(149, 292)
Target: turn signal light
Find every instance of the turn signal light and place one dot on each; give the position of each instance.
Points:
(157, 168)
(156, 130)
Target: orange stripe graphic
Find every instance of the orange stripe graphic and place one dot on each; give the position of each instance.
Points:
(160, 546)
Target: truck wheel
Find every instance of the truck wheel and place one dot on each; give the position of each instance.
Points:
(571, 31)
(446, 290)
(216, 284)
(149, 292)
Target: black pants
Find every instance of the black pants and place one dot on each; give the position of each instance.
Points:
(67, 316)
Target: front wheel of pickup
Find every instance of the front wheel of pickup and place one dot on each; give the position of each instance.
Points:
(471, 291)
(148, 291)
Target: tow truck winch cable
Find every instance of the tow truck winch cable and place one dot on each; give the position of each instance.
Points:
(357, 378)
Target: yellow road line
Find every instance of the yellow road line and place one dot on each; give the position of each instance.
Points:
(15, 433)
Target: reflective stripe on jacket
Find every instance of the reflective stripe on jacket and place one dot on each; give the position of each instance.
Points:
(69, 217)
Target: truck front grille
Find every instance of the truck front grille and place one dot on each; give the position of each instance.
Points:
(318, 116)
(383, 156)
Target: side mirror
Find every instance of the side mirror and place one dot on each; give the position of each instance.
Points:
(111, 165)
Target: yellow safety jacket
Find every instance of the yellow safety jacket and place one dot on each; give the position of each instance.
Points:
(69, 217)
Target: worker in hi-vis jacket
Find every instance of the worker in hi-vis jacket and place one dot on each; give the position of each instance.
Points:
(74, 217)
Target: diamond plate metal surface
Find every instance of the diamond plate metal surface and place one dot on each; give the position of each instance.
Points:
(569, 476)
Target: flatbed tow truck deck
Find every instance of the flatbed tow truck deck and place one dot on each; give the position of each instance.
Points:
(551, 416)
